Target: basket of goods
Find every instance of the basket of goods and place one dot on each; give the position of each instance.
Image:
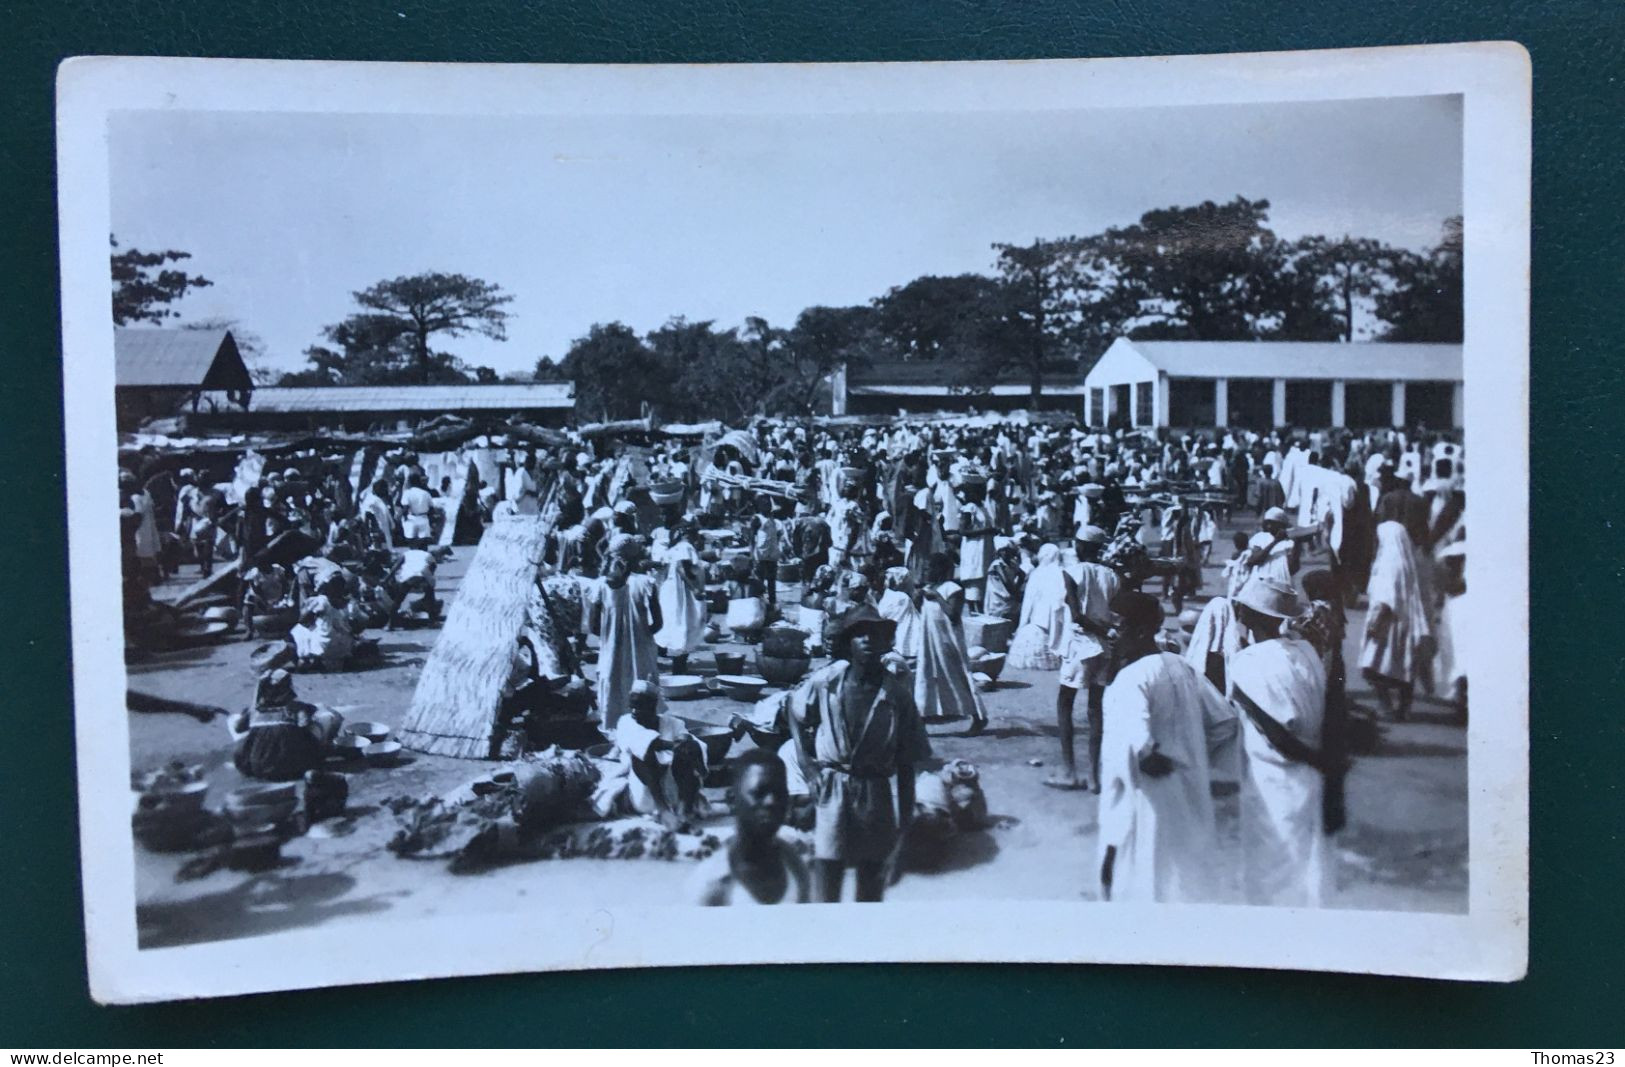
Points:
(730, 662)
(666, 494)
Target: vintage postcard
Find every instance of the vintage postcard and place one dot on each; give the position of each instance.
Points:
(522, 517)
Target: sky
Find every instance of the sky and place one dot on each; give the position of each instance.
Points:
(643, 218)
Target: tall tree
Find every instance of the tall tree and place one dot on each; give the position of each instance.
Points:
(1036, 328)
(1426, 301)
(933, 317)
(144, 285)
(822, 341)
(1196, 273)
(425, 305)
(614, 371)
(1346, 273)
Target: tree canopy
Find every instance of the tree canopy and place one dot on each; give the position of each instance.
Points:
(388, 342)
(144, 285)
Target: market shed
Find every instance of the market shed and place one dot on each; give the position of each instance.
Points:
(158, 373)
(370, 407)
(1266, 384)
(918, 386)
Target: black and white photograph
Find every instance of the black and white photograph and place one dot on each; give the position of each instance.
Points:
(561, 508)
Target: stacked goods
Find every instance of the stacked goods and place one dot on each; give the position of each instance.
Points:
(455, 707)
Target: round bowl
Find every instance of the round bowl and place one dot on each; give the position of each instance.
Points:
(747, 687)
(682, 686)
(716, 739)
(184, 798)
(599, 751)
(265, 793)
(730, 663)
(991, 665)
(372, 731)
(272, 812)
(350, 746)
(382, 753)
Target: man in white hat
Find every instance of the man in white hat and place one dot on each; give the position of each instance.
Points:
(1085, 659)
(1270, 552)
(1159, 839)
(1278, 682)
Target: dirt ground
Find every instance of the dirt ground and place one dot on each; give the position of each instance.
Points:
(1405, 847)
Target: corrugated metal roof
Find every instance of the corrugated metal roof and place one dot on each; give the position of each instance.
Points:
(892, 374)
(174, 358)
(507, 396)
(1380, 360)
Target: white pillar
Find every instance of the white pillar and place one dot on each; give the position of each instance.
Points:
(1159, 401)
(1339, 402)
(1397, 417)
(1278, 402)
(837, 389)
(1457, 407)
(1221, 401)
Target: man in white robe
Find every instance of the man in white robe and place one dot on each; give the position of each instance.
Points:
(1159, 840)
(1279, 684)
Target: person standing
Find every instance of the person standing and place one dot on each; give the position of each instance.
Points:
(624, 612)
(976, 530)
(1085, 662)
(942, 680)
(1398, 643)
(858, 729)
(766, 548)
(1278, 682)
(682, 609)
(1158, 834)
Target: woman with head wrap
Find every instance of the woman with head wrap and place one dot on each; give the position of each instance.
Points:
(1005, 580)
(897, 604)
(942, 682)
(1042, 627)
(681, 606)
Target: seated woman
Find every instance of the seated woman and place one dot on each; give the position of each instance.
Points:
(281, 737)
(662, 765)
(756, 866)
(323, 639)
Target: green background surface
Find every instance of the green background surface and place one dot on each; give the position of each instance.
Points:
(1572, 995)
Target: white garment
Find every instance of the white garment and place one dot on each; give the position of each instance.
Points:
(1277, 562)
(1216, 631)
(682, 615)
(1396, 584)
(372, 504)
(1163, 829)
(898, 606)
(1283, 849)
(1045, 621)
(942, 682)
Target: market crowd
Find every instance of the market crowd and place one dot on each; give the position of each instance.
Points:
(911, 562)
